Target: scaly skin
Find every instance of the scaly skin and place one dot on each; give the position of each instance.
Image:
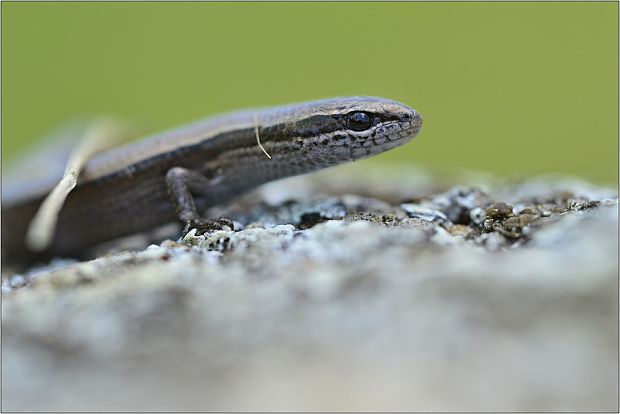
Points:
(125, 190)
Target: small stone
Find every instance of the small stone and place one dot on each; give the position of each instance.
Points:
(193, 239)
(499, 211)
(528, 210)
(219, 241)
(512, 223)
(477, 215)
(581, 204)
(526, 219)
(423, 213)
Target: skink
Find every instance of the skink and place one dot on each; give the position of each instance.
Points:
(179, 173)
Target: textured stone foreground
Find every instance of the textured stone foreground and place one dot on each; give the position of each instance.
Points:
(346, 290)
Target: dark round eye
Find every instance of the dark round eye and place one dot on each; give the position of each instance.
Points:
(359, 121)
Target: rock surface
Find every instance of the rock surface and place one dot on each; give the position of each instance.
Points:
(410, 295)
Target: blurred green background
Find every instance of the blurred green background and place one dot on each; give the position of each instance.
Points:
(508, 88)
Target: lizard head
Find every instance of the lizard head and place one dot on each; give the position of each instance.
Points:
(337, 130)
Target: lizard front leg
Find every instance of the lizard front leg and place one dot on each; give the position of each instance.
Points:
(181, 182)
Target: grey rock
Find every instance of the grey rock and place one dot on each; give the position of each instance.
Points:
(402, 296)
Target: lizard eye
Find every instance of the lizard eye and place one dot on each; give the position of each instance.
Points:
(358, 121)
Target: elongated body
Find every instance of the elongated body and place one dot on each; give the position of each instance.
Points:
(169, 176)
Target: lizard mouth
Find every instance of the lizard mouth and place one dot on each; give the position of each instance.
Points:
(386, 137)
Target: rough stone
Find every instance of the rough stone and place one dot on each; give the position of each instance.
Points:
(348, 290)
